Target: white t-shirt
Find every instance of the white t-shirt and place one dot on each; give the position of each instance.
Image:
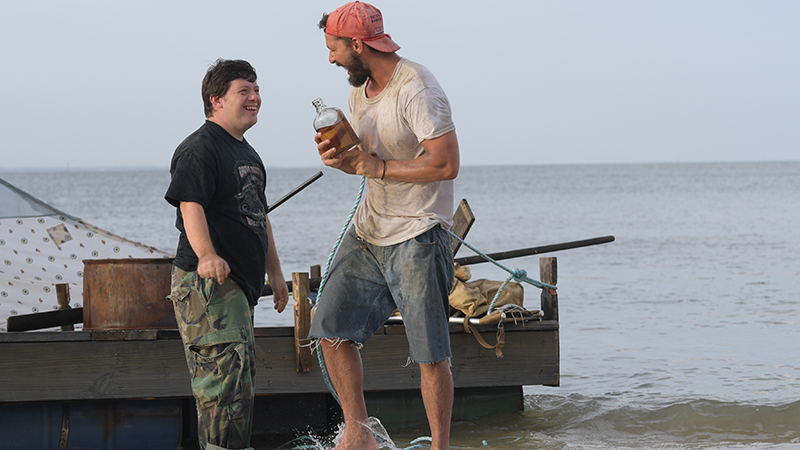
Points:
(392, 125)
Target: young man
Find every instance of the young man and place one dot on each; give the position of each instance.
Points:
(224, 249)
(397, 255)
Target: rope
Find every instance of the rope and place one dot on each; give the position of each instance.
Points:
(339, 240)
(417, 443)
(320, 357)
(516, 274)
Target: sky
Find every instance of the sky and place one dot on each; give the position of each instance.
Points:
(102, 84)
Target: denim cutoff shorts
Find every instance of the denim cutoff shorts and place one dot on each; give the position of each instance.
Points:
(367, 283)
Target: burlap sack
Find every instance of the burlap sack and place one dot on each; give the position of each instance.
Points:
(474, 297)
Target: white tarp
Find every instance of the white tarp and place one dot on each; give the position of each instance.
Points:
(41, 247)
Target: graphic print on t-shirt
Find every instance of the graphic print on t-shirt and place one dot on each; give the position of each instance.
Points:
(251, 188)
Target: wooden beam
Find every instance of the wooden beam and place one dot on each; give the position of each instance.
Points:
(47, 319)
(548, 273)
(62, 294)
(462, 222)
(315, 272)
(302, 322)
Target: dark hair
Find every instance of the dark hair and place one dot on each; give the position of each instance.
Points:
(323, 23)
(219, 76)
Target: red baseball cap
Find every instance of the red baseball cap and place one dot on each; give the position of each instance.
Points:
(363, 21)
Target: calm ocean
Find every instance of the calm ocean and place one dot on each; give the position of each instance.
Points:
(683, 333)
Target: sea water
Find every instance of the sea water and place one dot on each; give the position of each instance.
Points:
(682, 333)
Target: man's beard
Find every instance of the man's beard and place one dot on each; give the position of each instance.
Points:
(359, 73)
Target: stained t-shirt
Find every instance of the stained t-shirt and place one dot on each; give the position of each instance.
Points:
(225, 176)
(392, 125)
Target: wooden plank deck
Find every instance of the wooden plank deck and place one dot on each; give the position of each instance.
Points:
(55, 366)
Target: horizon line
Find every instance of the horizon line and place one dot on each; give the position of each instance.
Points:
(159, 168)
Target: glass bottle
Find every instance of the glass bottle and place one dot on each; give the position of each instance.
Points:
(333, 125)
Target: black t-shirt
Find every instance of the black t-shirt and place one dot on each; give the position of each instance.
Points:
(225, 176)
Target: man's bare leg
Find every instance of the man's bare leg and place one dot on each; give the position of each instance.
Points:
(437, 394)
(343, 361)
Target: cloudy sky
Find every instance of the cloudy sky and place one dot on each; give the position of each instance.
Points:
(96, 83)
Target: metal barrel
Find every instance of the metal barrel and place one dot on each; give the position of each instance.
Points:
(127, 294)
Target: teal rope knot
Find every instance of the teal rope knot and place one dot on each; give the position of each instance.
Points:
(517, 275)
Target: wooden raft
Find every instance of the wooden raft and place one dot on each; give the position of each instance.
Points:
(134, 364)
(130, 364)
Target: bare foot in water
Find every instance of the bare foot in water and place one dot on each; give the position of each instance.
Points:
(359, 437)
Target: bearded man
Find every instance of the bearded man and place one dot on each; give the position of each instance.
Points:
(397, 255)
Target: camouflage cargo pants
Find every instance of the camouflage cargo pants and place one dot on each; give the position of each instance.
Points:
(216, 325)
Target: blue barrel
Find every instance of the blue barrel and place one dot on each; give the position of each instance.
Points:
(92, 425)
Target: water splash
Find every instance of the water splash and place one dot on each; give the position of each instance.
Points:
(311, 442)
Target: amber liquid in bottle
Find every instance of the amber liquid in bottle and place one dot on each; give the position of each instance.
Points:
(333, 125)
(341, 135)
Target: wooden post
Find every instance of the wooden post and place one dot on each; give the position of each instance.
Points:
(302, 321)
(62, 293)
(316, 271)
(548, 273)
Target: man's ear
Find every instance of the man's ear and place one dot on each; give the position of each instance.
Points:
(358, 45)
(215, 102)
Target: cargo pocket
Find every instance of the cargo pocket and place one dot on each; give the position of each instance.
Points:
(179, 294)
(217, 373)
(180, 285)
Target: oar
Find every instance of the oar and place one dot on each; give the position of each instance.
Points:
(294, 191)
(467, 260)
(495, 256)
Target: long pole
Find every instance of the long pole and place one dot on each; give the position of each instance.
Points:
(294, 191)
(534, 250)
(314, 282)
